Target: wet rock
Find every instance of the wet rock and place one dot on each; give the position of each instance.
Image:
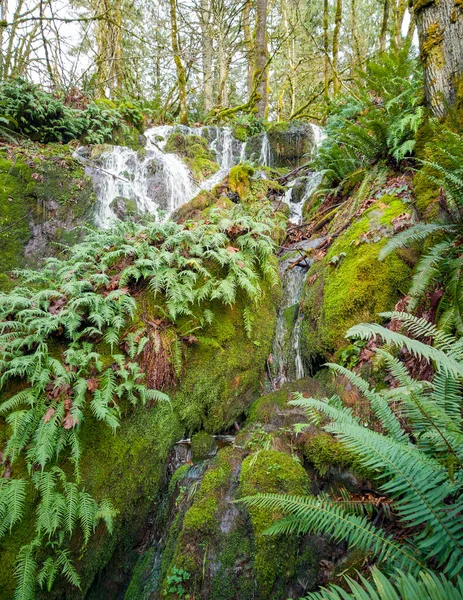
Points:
(124, 208)
(291, 143)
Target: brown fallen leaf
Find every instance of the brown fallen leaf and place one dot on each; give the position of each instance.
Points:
(69, 422)
(48, 415)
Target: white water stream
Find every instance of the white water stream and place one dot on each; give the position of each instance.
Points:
(286, 352)
(156, 180)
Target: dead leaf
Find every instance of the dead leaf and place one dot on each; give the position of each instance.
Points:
(48, 415)
(69, 422)
(92, 384)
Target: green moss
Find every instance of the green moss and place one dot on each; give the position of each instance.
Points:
(239, 180)
(431, 48)
(202, 445)
(38, 185)
(270, 471)
(178, 476)
(240, 132)
(264, 409)
(17, 201)
(195, 152)
(222, 373)
(325, 452)
(200, 522)
(350, 285)
(142, 571)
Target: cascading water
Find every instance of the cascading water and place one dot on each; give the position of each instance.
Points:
(229, 152)
(265, 152)
(158, 180)
(286, 353)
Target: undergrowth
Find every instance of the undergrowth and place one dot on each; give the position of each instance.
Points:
(78, 342)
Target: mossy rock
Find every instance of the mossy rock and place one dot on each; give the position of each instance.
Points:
(222, 376)
(223, 372)
(350, 285)
(17, 202)
(202, 445)
(273, 408)
(291, 143)
(44, 197)
(195, 152)
(239, 180)
(220, 543)
(275, 557)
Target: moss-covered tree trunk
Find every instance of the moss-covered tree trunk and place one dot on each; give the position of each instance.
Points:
(326, 50)
(181, 73)
(206, 41)
(384, 25)
(260, 78)
(440, 30)
(248, 44)
(336, 33)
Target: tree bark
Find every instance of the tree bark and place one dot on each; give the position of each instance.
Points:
(326, 50)
(223, 67)
(206, 41)
(335, 60)
(384, 24)
(260, 75)
(181, 73)
(440, 31)
(248, 44)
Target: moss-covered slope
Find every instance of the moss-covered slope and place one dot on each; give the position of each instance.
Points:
(44, 196)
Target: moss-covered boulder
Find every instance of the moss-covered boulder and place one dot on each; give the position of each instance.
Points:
(195, 152)
(349, 284)
(44, 197)
(291, 143)
(239, 180)
(218, 545)
(203, 445)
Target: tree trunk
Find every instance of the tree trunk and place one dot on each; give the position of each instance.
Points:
(181, 73)
(260, 75)
(223, 66)
(440, 31)
(206, 41)
(335, 61)
(355, 33)
(326, 49)
(248, 44)
(384, 23)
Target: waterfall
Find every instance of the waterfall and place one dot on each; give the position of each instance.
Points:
(154, 180)
(265, 152)
(229, 152)
(287, 363)
(296, 204)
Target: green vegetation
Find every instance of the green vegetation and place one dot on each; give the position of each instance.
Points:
(76, 349)
(195, 152)
(47, 118)
(338, 289)
(418, 469)
(378, 122)
(441, 265)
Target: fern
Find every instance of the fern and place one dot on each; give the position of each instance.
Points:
(427, 586)
(86, 301)
(420, 472)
